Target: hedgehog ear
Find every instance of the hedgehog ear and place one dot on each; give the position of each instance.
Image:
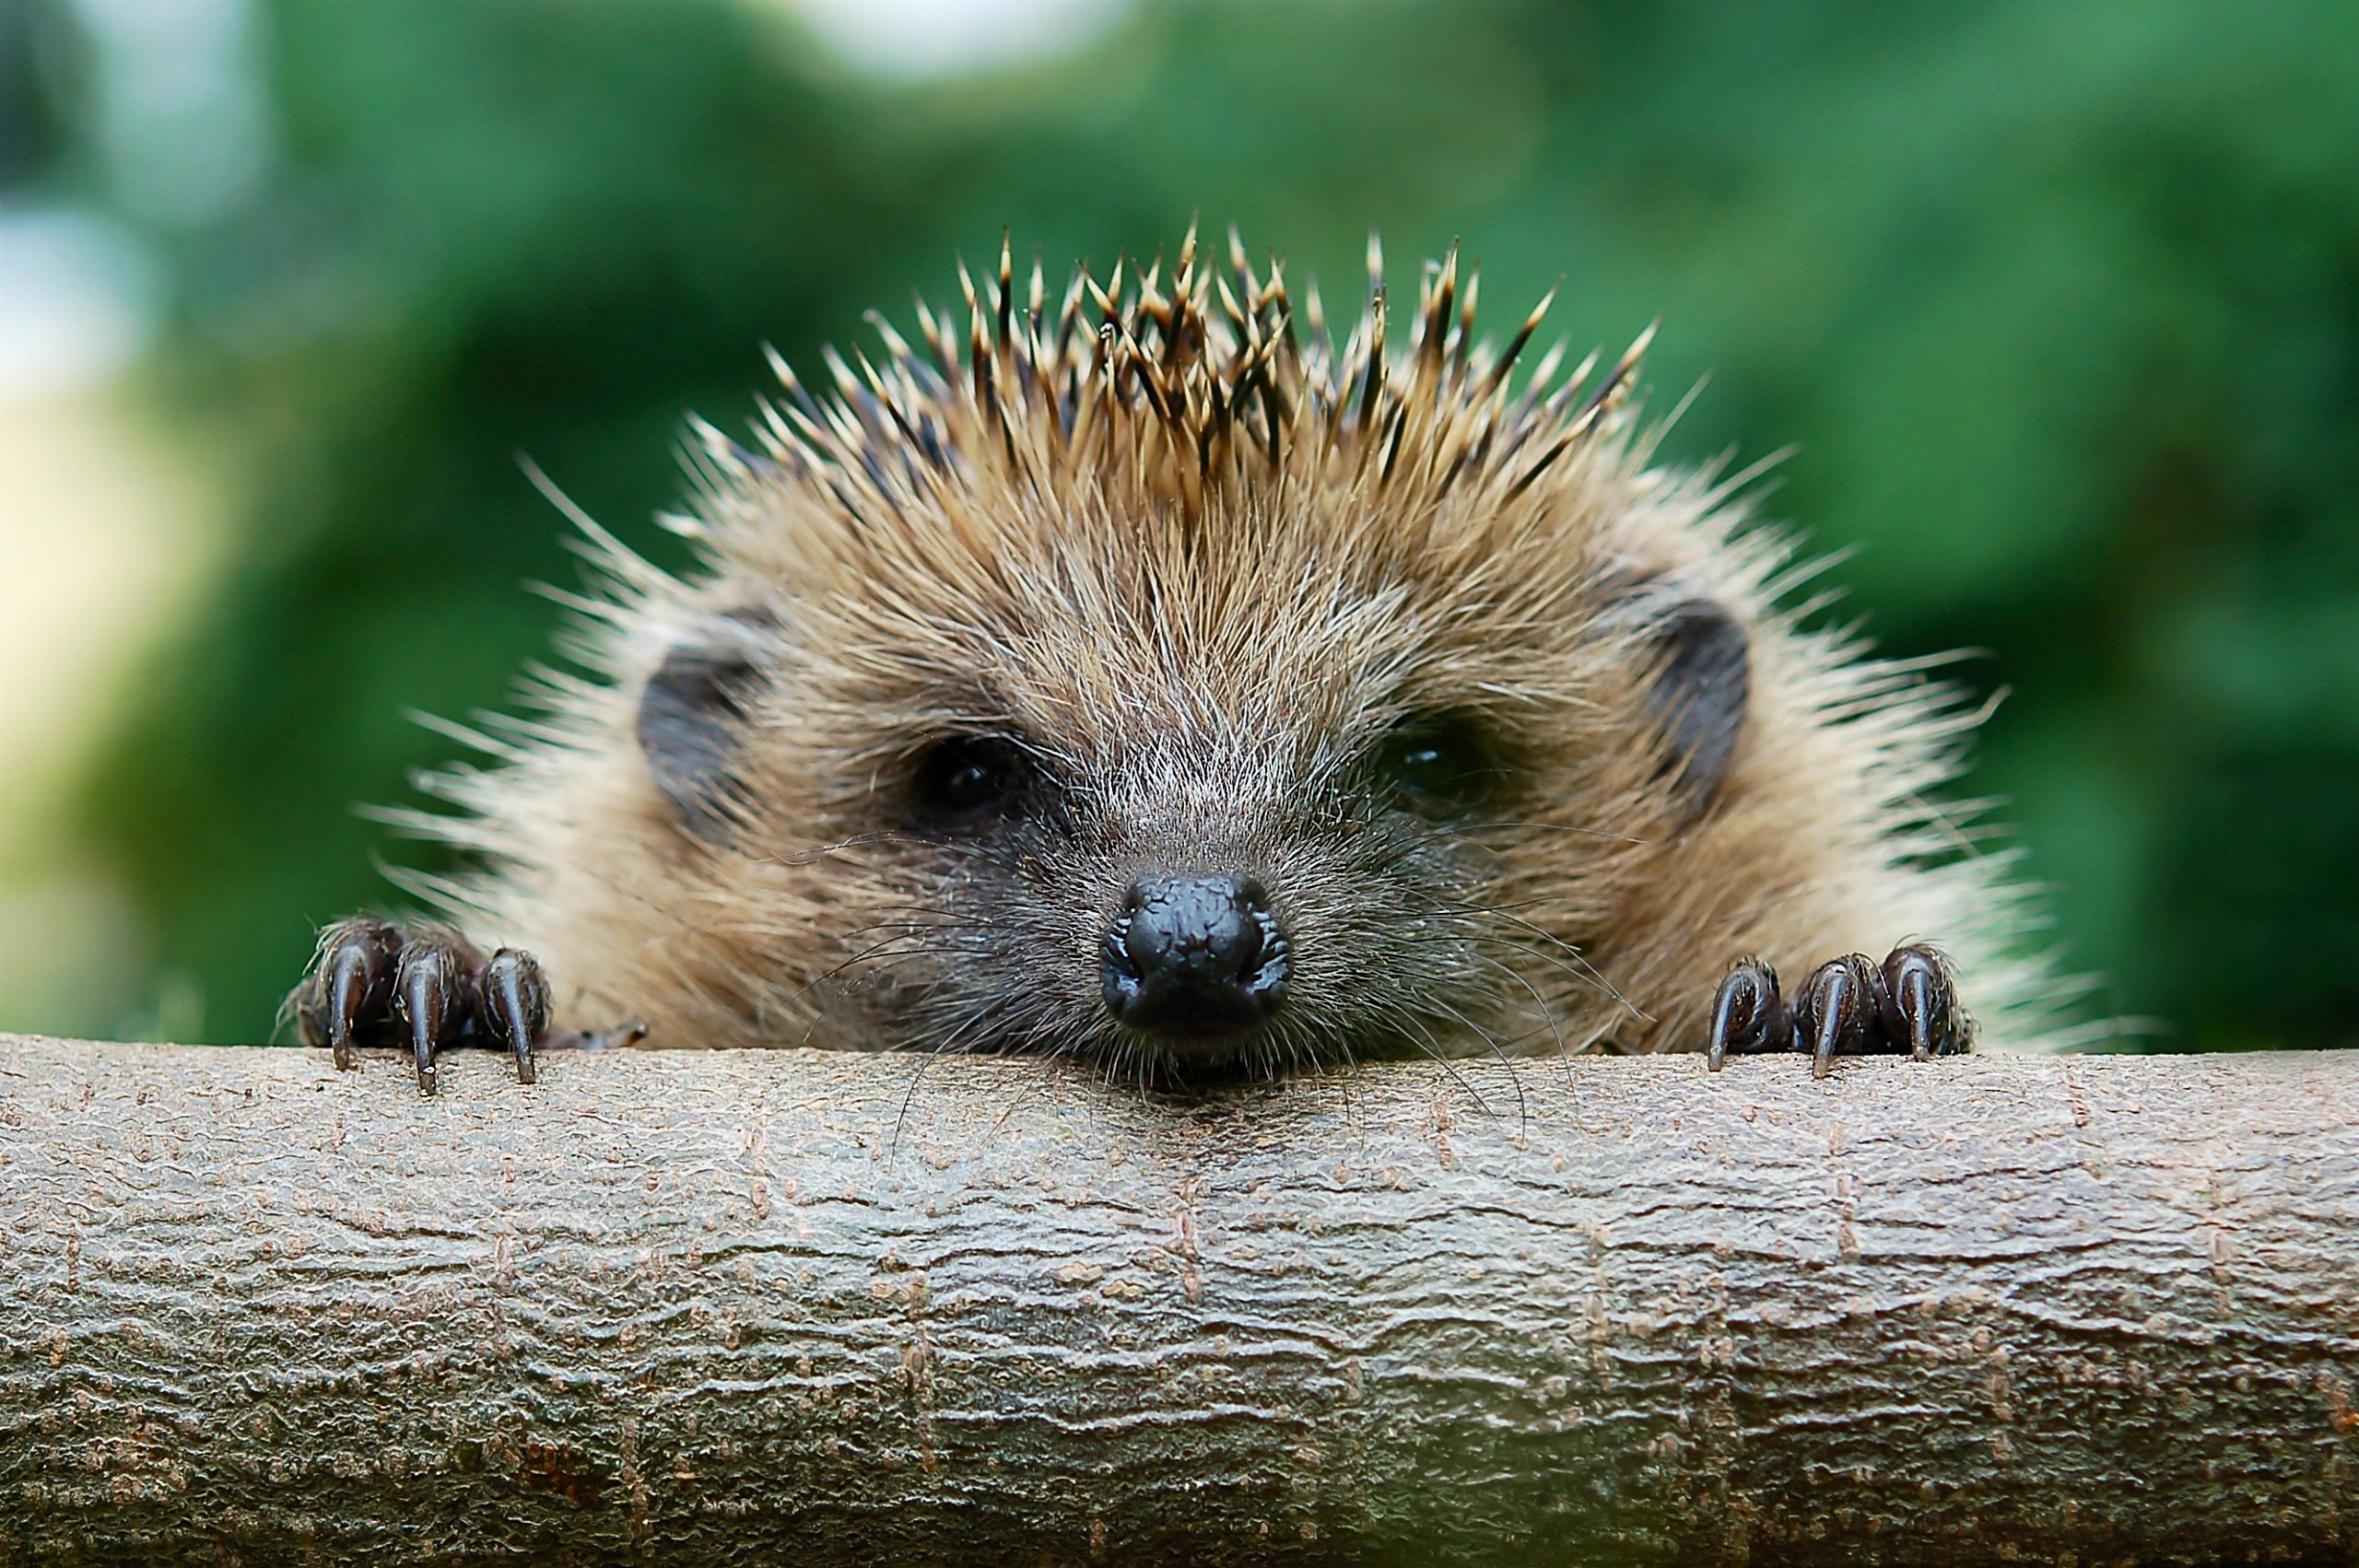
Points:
(1702, 685)
(692, 716)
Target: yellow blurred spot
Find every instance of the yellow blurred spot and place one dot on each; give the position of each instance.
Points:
(103, 536)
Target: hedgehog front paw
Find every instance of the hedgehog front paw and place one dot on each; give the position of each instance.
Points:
(374, 983)
(1850, 1006)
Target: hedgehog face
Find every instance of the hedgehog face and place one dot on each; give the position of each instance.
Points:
(1189, 897)
(1162, 880)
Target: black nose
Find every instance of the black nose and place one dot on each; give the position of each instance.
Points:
(1193, 955)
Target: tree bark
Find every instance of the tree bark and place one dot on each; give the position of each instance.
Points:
(683, 1306)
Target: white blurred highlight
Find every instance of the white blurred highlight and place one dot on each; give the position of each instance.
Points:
(945, 38)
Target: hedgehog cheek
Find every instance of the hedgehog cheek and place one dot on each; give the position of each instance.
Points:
(692, 717)
(1700, 691)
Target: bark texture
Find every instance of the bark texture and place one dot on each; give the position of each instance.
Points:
(688, 1307)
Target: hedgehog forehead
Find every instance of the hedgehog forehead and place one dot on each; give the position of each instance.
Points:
(1109, 650)
(1120, 659)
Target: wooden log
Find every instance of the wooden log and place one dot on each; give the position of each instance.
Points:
(685, 1307)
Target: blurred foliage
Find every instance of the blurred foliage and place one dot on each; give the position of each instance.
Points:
(2060, 302)
(27, 121)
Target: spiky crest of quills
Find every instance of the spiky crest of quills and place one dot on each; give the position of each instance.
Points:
(1197, 383)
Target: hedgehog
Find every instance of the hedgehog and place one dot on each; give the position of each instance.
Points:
(1149, 681)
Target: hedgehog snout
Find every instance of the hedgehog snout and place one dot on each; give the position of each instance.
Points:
(1195, 956)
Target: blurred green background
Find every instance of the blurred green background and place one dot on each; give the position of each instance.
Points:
(2059, 303)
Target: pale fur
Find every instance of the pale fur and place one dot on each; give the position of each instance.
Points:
(1249, 552)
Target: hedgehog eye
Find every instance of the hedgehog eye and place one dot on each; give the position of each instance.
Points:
(968, 776)
(1438, 768)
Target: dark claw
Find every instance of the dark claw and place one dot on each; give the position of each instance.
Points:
(1838, 1010)
(351, 986)
(1748, 1012)
(515, 1006)
(427, 995)
(1920, 1004)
